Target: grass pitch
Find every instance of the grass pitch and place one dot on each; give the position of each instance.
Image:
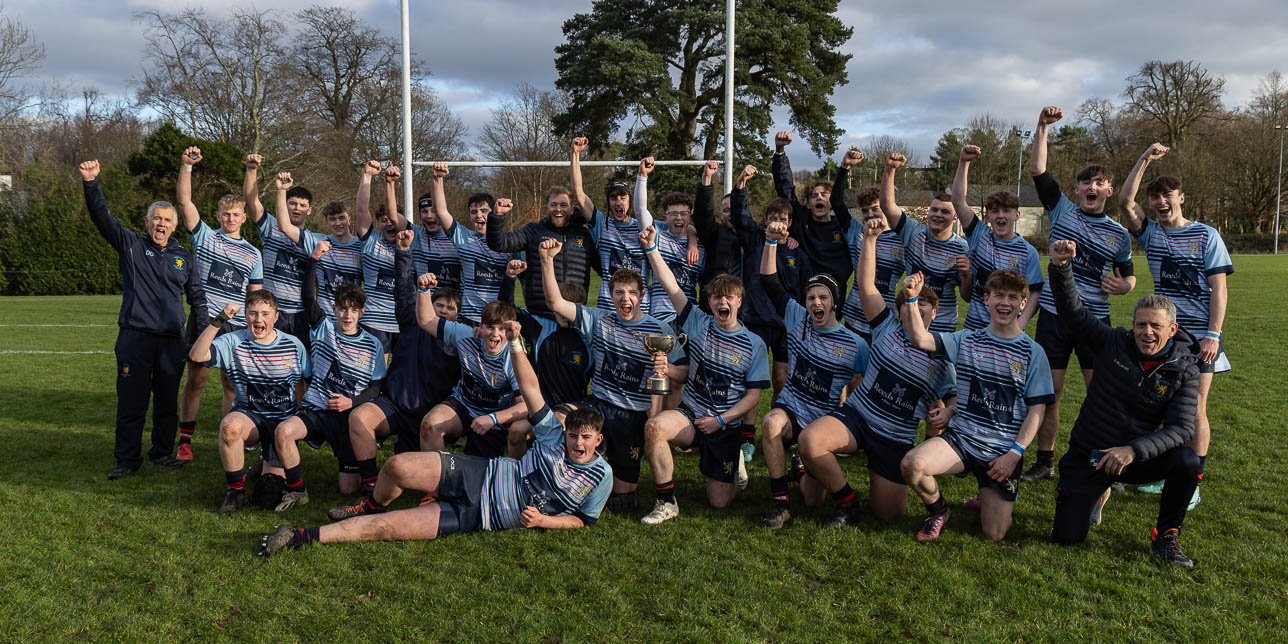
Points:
(144, 558)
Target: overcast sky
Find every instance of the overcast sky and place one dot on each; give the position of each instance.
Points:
(919, 67)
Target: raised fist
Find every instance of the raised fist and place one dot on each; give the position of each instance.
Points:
(912, 285)
(283, 180)
(648, 237)
(371, 168)
(875, 226)
(514, 267)
(776, 231)
(504, 206)
(426, 281)
(970, 153)
(896, 160)
(512, 329)
(963, 264)
(579, 144)
(253, 161)
(392, 174)
(231, 310)
(1157, 151)
(709, 170)
(550, 247)
(440, 170)
(851, 158)
(646, 166)
(783, 139)
(405, 239)
(321, 249)
(1063, 250)
(1050, 114)
(88, 170)
(191, 156)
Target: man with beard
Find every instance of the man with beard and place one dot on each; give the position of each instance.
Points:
(562, 222)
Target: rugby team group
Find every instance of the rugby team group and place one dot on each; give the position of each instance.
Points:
(380, 328)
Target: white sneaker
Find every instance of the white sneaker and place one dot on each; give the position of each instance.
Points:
(662, 511)
(741, 480)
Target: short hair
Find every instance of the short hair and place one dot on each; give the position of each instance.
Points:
(1007, 280)
(350, 296)
(446, 293)
(300, 192)
(928, 294)
(164, 205)
(573, 292)
(1163, 185)
(1159, 302)
(261, 295)
(232, 201)
(616, 188)
(1001, 200)
(481, 197)
(584, 418)
(867, 196)
(944, 197)
(723, 285)
(1093, 172)
(778, 206)
(495, 313)
(383, 211)
(334, 208)
(677, 199)
(558, 190)
(623, 275)
(827, 187)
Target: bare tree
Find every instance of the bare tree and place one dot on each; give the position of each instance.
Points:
(522, 129)
(1178, 95)
(1270, 100)
(20, 54)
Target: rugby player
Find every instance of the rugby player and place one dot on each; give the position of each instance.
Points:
(378, 247)
(284, 260)
(228, 267)
(616, 234)
(341, 263)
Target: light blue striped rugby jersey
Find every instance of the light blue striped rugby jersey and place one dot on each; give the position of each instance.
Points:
(988, 254)
(1182, 260)
(226, 267)
(820, 362)
(342, 364)
(438, 255)
(936, 260)
(263, 375)
(378, 282)
(284, 265)
(998, 379)
(890, 265)
(622, 364)
(619, 247)
(482, 270)
(544, 479)
(723, 365)
(1102, 244)
(675, 252)
(487, 382)
(340, 265)
(900, 383)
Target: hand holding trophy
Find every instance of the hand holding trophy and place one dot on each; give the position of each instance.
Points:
(661, 344)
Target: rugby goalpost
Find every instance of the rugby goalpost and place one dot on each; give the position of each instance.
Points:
(408, 162)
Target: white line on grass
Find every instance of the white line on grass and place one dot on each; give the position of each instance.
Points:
(72, 326)
(56, 353)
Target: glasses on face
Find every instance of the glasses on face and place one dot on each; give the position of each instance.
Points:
(679, 213)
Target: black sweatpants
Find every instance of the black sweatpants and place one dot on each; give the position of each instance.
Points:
(1080, 485)
(148, 366)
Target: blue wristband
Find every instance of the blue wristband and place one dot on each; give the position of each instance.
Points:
(770, 242)
(912, 299)
(650, 248)
(1015, 447)
(720, 418)
(495, 422)
(422, 290)
(1212, 335)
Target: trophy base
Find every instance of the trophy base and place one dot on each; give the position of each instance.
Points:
(657, 387)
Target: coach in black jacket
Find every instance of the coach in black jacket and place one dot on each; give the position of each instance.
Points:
(1138, 415)
(562, 222)
(156, 273)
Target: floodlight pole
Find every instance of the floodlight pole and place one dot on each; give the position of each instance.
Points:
(1279, 185)
(408, 179)
(1019, 162)
(728, 116)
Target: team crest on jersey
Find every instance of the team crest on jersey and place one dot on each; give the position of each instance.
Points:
(580, 242)
(840, 352)
(836, 238)
(1161, 388)
(576, 357)
(1195, 246)
(737, 358)
(1015, 262)
(791, 261)
(1016, 368)
(178, 263)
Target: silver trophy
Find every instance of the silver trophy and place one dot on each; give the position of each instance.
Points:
(655, 343)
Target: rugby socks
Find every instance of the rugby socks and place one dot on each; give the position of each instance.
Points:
(295, 477)
(236, 480)
(844, 496)
(665, 492)
(1046, 456)
(305, 537)
(778, 490)
(369, 502)
(938, 507)
(748, 432)
(186, 430)
(368, 471)
(1202, 462)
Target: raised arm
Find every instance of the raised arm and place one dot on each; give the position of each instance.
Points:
(1076, 319)
(851, 159)
(781, 168)
(309, 285)
(661, 272)
(1038, 151)
(283, 215)
(866, 271)
(445, 220)
(529, 386)
(550, 282)
(200, 351)
(739, 214)
(107, 225)
(889, 205)
(404, 281)
(250, 188)
(775, 234)
(574, 175)
(913, 325)
(183, 188)
(640, 198)
(362, 203)
(1133, 215)
(392, 175)
(961, 203)
(704, 217)
(426, 316)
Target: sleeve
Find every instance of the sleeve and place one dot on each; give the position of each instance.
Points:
(596, 225)
(195, 291)
(1048, 192)
(1038, 389)
(1122, 261)
(530, 327)
(862, 357)
(843, 216)
(309, 291)
(458, 234)
(585, 321)
(704, 214)
(1216, 259)
(257, 273)
(946, 344)
(505, 242)
(593, 505)
(266, 224)
(320, 328)
(773, 288)
(546, 427)
(306, 363)
(380, 369)
(309, 241)
(783, 183)
(453, 332)
(107, 225)
(372, 389)
(947, 381)
(199, 234)
(1032, 268)
(221, 351)
(883, 323)
(1146, 232)
(639, 200)
(1068, 305)
(691, 319)
(1178, 420)
(974, 232)
(907, 229)
(758, 376)
(740, 217)
(404, 290)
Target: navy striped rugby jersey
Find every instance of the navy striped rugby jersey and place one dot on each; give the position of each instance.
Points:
(890, 267)
(378, 282)
(936, 260)
(619, 247)
(1182, 260)
(487, 382)
(263, 375)
(340, 265)
(900, 383)
(482, 270)
(284, 265)
(988, 254)
(226, 267)
(622, 364)
(342, 364)
(820, 362)
(723, 365)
